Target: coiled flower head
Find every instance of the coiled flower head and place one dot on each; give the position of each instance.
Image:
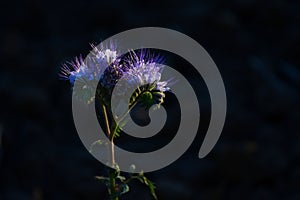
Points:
(141, 70)
(144, 73)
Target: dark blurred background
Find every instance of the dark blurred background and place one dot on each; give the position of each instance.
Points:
(256, 46)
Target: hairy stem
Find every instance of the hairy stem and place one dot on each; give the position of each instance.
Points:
(112, 181)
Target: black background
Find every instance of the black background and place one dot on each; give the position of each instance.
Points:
(255, 45)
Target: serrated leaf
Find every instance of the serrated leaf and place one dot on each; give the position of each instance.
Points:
(117, 132)
(150, 185)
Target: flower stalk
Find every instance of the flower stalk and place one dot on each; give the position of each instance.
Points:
(110, 135)
(140, 70)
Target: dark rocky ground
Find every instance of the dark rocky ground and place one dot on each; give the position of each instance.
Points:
(255, 45)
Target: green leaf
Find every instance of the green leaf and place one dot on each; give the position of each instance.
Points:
(117, 132)
(143, 179)
(151, 187)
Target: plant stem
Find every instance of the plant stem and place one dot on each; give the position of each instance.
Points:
(112, 181)
(128, 111)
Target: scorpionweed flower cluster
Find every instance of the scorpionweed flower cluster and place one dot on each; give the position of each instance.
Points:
(104, 67)
(108, 67)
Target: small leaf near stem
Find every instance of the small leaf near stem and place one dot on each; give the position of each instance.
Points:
(143, 179)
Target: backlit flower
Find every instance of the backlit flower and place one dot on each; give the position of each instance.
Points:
(140, 69)
(144, 72)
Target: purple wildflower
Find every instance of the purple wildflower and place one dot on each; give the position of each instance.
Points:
(141, 70)
(144, 72)
(144, 68)
(90, 69)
